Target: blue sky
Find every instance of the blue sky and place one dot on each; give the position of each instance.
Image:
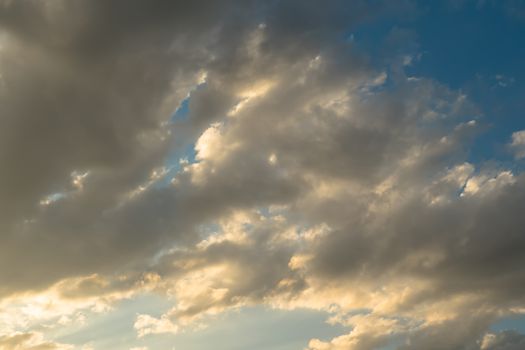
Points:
(471, 46)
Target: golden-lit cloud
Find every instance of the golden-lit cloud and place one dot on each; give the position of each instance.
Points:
(220, 155)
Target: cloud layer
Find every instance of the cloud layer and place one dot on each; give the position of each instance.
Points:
(304, 174)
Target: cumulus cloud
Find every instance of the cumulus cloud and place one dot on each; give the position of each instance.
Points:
(89, 88)
(316, 179)
(70, 302)
(518, 144)
(146, 324)
(29, 341)
(506, 340)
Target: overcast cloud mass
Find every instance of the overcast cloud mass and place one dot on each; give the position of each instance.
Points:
(167, 164)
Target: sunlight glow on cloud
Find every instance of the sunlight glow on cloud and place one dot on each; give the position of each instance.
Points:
(227, 155)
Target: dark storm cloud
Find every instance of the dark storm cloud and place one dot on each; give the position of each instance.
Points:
(63, 112)
(87, 87)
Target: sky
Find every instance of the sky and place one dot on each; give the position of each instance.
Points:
(262, 174)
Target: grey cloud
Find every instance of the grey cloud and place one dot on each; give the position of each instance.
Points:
(478, 241)
(95, 101)
(460, 335)
(288, 116)
(505, 340)
(385, 245)
(89, 86)
(356, 249)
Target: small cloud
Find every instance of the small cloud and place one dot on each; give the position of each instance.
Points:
(146, 324)
(518, 144)
(506, 340)
(33, 340)
(503, 81)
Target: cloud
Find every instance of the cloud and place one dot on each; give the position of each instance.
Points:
(506, 340)
(102, 80)
(518, 144)
(70, 303)
(146, 324)
(29, 341)
(319, 179)
(369, 332)
(408, 225)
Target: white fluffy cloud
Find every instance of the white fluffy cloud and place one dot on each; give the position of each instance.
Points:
(518, 144)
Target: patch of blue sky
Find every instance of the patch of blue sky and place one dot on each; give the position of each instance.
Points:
(175, 161)
(114, 329)
(182, 112)
(247, 328)
(477, 49)
(381, 41)
(184, 154)
(461, 44)
(474, 48)
(516, 323)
